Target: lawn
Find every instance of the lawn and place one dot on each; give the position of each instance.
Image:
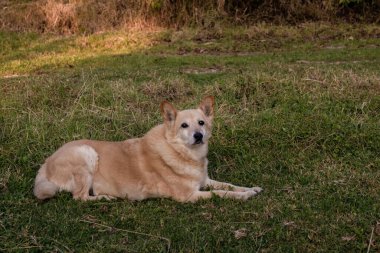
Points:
(298, 113)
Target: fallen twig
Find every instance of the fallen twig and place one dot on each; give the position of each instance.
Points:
(370, 240)
(313, 80)
(20, 248)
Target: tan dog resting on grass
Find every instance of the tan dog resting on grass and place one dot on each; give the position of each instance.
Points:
(169, 161)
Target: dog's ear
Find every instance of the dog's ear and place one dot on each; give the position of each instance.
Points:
(169, 113)
(207, 106)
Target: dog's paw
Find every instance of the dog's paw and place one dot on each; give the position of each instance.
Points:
(257, 189)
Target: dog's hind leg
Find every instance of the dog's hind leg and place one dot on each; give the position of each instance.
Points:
(83, 175)
(69, 169)
(82, 185)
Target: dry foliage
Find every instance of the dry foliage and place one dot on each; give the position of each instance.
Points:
(90, 16)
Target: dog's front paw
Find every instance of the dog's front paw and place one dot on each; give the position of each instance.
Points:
(257, 189)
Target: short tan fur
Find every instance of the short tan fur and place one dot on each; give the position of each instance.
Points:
(169, 161)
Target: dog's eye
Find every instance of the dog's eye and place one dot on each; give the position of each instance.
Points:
(201, 122)
(184, 125)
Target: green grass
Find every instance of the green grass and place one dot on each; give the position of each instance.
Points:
(298, 118)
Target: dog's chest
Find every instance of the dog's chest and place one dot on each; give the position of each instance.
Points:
(194, 173)
(193, 176)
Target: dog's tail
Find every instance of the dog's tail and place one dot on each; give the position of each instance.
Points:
(43, 188)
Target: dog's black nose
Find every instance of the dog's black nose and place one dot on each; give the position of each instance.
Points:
(198, 136)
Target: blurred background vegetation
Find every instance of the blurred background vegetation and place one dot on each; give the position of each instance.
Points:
(91, 16)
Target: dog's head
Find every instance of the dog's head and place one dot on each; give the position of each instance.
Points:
(191, 128)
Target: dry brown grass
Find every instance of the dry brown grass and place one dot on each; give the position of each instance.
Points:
(60, 16)
(91, 16)
(72, 16)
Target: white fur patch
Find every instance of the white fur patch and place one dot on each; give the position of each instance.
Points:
(89, 155)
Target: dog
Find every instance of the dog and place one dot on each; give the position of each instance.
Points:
(170, 161)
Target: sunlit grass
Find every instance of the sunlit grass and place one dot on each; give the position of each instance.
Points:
(42, 53)
(28, 53)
